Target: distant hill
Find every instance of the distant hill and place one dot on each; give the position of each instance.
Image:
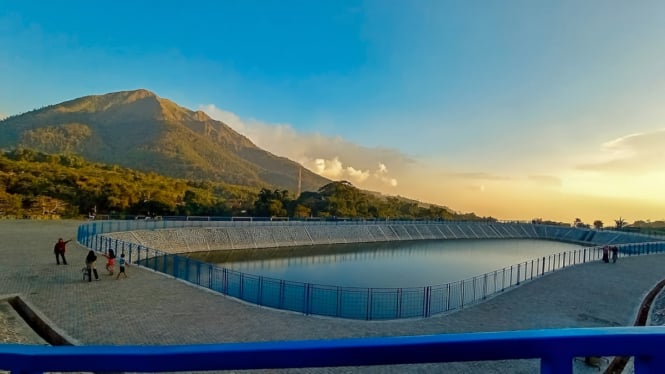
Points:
(139, 130)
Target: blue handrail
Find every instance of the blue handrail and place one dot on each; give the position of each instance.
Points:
(555, 348)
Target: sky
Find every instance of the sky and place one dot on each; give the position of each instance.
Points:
(510, 109)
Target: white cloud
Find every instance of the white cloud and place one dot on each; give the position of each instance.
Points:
(637, 153)
(334, 169)
(331, 157)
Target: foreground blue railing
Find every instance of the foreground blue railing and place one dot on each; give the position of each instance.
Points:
(556, 350)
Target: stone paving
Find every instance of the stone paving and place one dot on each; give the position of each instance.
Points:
(150, 308)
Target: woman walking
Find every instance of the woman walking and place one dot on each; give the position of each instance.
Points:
(90, 265)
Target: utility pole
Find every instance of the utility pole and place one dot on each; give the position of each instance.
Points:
(299, 182)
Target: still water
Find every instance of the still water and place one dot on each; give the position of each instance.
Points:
(391, 264)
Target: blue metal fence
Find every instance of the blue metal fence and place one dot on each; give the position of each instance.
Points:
(334, 301)
(555, 348)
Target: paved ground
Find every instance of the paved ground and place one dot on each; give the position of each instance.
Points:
(149, 308)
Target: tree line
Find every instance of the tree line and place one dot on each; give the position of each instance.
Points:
(35, 184)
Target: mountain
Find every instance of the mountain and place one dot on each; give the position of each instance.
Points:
(139, 130)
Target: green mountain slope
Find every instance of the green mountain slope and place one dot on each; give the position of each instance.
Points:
(139, 130)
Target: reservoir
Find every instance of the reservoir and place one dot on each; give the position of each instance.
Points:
(386, 264)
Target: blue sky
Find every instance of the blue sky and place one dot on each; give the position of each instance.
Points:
(515, 109)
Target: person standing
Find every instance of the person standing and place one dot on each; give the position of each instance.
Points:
(606, 253)
(90, 265)
(59, 251)
(121, 263)
(615, 253)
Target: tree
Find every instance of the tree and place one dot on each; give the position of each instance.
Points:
(302, 211)
(271, 203)
(598, 224)
(620, 223)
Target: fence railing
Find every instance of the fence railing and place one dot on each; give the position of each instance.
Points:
(336, 301)
(556, 349)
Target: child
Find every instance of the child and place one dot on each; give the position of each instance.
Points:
(121, 263)
(110, 263)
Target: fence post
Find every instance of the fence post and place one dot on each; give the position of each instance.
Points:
(225, 281)
(461, 293)
(543, 272)
(369, 304)
(210, 277)
(306, 306)
(427, 301)
(494, 289)
(241, 291)
(259, 297)
(447, 296)
(165, 259)
(531, 269)
(484, 286)
(398, 307)
(518, 274)
(503, 280)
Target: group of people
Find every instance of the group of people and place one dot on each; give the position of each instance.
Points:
(110, 264)
(606, 253)
(61, 246)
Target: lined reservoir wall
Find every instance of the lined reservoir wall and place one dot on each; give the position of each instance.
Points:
(227, 235)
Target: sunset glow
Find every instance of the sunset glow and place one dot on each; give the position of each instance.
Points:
(515, 110)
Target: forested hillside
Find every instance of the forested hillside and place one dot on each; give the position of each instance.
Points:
(35, 184)
(140, 130)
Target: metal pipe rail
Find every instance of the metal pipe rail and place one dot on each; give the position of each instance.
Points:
(556, 349)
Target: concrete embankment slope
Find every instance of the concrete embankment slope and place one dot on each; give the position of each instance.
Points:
(187, 236)
(149, 308)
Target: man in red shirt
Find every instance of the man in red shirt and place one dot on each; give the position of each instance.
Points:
(59, 250)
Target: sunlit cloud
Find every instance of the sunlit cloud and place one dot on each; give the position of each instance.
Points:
(638, 153)
(334, 169)
(522, 193)
(332, 157)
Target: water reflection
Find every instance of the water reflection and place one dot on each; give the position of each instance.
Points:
(392, 264)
